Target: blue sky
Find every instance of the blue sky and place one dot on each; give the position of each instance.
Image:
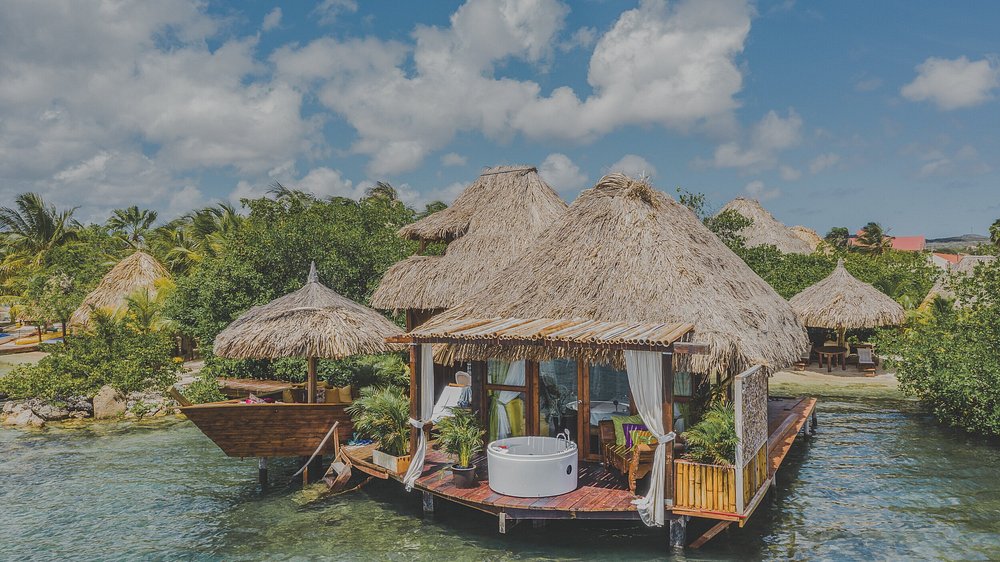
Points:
(830, 113)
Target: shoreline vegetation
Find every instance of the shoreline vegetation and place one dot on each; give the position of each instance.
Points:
(124, 333)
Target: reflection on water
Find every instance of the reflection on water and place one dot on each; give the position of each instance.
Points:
(879, 481)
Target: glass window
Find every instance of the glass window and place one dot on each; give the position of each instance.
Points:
(557, 397)
(608, 398)
(507, 417)
(683, 384)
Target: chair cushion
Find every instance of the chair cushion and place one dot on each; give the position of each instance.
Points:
(628, 429)
(619, 432)
(642, 437)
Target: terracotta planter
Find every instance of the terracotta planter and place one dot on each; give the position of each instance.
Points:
(397, 465)
(463, 477)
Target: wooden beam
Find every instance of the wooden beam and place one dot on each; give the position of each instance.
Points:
(668, 424)
(414, 393)
(311, 384)
(689, 348)
(710, 534)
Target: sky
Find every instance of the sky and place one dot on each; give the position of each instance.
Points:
(830, 113)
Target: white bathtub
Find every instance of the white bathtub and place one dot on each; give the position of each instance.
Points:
(532, 467)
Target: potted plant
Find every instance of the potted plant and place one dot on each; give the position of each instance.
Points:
(461, 435)
(382, 413)
(713, 440)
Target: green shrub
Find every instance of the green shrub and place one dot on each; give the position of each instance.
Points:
(713, 440)
(361, 371)
(383, 414)
(461, 435)
(204, 389)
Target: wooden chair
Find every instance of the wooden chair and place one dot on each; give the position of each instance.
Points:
(634, 463)
(866, 360)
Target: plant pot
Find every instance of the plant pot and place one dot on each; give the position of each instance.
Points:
(391, 463)
(463, 477)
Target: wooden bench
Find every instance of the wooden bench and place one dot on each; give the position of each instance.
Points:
(634, 463)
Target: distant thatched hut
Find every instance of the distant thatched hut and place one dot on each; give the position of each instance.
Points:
(488, 226)
(136, 272)
(965, 266)
(627, 252)
(808, 235)
(843, 302)
(765, 229)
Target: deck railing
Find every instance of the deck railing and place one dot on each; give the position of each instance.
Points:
(714, 487)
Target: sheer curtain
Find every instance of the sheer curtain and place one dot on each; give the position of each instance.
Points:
(645, 377)
(506, 373)
(426, 412)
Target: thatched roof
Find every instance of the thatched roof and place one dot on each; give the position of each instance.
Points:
(843, 301)
(965, 266)
(312, 322)
(766, 229)
(138, 271)
(489, 225)
(627, 252)
(807, 235)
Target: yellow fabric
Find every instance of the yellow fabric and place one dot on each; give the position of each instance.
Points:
(621, 420)
(515, 415)
(642, 437)
(344, 393)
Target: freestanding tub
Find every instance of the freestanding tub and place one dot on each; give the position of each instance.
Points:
(532, 467)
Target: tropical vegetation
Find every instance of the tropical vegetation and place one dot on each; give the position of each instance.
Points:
(382, 413)
(713, 439)
(461, 435)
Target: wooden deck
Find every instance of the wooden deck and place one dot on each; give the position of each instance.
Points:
(601, 494)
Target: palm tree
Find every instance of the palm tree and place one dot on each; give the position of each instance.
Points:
(188, 240)
(874, 240)
(838, 237)
(132, 225)
(30, 230)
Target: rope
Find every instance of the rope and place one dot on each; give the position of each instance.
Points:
(316, 452)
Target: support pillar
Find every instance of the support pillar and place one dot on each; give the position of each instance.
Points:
(502, 518)
(428, 503)
(262, 471)
(678, 532)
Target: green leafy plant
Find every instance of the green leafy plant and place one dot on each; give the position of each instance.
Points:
(383, 413)
(204, 389)
(713, 440)
(461, 435)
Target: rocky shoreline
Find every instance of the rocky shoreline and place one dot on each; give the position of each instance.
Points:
(107, 404)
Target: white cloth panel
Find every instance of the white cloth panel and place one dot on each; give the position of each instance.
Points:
(512, 374)
(426, 412)
(645, 378)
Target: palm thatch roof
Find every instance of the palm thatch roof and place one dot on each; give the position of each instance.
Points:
(765, 229)
(841, 301)
(965, 266)
(136, 272)
(808, 235)
(625, 252)
(488, 226)
(314, 321)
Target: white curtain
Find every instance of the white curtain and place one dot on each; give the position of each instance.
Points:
(426, 412)
(645, 378)
(512, 374)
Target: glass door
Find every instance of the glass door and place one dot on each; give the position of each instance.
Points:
(607, 396)
(558, 398)
(506, 390)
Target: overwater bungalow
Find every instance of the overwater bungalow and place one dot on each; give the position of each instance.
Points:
(312, 323)
(765, 229)
(619, 313)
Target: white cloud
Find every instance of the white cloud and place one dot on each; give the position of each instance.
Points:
(789, 173)
(963, 162)
(271, 20)
(582, 38)
(633, 166)
(868, 84)
(770, 135)
(453, 159)
(757, 190)
(954, 84)
(329, 10)
(823, 161)
(562, 173)
(670, 65)
(103, 104)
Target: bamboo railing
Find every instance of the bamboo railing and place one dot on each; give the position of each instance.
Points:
(713, 487)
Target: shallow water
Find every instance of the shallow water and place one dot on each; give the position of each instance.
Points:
(879, 481)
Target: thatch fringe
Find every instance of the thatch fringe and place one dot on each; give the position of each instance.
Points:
(627, 252)
(489, 225)
(314, 321)
(807, 235)
(841, 301)
(766, 230)
(138, 271)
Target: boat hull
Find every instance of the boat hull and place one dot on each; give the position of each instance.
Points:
(269, 430)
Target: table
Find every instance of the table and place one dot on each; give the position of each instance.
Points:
(832, 353)
(603, 410)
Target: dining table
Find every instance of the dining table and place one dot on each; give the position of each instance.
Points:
(831, 354)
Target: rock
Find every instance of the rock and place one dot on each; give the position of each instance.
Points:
(79, 404)
(9, 407)
(108, 403)
(50, 412)
(78, 415)
(25, 418)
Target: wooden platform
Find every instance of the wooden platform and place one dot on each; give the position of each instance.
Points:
(602, 494)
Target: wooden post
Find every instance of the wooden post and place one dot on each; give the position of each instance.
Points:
(678, 532)
(583, 410)
(311, 385)
(414, 392)
(428, 503)
(262, 471)
(668, 426)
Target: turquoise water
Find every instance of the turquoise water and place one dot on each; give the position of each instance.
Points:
(880, 481)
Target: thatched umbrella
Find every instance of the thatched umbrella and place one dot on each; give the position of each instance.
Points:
(492, 222)
(808, 235)
(137, 272)
(843, 302)
(965, 266)
(766, 229)
(312, 323)
(627, 252)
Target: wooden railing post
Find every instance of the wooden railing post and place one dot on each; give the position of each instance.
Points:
(738, 404)
(415, 377)
(668, 425)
